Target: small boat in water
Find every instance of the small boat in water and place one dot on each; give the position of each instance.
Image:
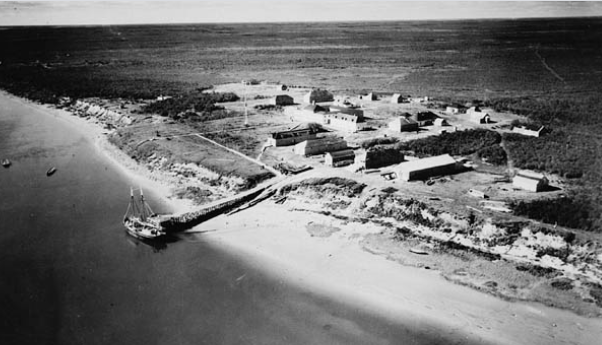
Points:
(50, 171)
(140, 221)
(6, 163)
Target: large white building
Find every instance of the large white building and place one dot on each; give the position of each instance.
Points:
(476, 115)
(344, 122)
(422, 169)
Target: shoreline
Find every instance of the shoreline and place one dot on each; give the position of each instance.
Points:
(126, 165)
(353, 275)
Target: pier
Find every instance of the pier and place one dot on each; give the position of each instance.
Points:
(188, 220)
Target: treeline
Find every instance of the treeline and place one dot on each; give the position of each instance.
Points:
(569, 212)
(199, 106)
(559, 152)
(551, 110)
(481, 141)
(48, 85)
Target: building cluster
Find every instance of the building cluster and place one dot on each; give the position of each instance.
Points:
(342, 115)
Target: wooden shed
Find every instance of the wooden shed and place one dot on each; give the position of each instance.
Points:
(282, 100)
(339, 158)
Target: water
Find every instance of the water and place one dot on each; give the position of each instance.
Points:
(70, 275)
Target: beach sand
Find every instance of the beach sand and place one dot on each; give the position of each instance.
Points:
(332, 264)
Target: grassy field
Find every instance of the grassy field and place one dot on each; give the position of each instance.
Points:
(472, 59)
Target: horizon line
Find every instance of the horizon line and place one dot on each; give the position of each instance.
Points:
(309, 21)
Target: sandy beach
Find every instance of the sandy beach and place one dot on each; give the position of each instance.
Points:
(276, 239)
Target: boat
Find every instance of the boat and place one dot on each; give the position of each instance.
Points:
(50, 171)
(140, 221)
(6, 163)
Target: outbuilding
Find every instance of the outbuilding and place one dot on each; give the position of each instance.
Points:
(529, 132)
(452, 110)
(530, 180)
(369, 97)
(403, 124)
(317, 96)
(339, 158)
(440, 122)
(424, 118)
(422, 169)
(477, 115)
(320, 146)
(397, 98)
(282, 100)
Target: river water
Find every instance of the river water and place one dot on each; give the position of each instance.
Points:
(70, 275)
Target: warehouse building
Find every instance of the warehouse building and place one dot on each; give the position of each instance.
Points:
(320, 145)
(422, 169)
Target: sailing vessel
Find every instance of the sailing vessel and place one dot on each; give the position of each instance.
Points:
(6, 163)
(140, 221)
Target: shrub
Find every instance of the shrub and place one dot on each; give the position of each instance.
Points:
(494, 154)
(454, 143)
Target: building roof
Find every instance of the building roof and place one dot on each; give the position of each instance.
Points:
(427, 163)
(404, 121)
(284, 96)
(341, 154)
(292, 133)
(530, 175)
(407, 121)
(342, 116)
(315, 108)
(322, 141)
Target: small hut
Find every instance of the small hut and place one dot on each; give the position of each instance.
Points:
(339, 158)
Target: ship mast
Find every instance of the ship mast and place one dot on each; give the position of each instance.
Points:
(143, 206)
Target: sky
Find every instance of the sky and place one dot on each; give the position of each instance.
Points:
(228, 11)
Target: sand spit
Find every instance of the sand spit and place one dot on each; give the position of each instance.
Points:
(324, 255)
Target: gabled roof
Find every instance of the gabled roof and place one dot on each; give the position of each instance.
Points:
(341, 154)
(315, 108)
(530, 175)
(407, 121)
